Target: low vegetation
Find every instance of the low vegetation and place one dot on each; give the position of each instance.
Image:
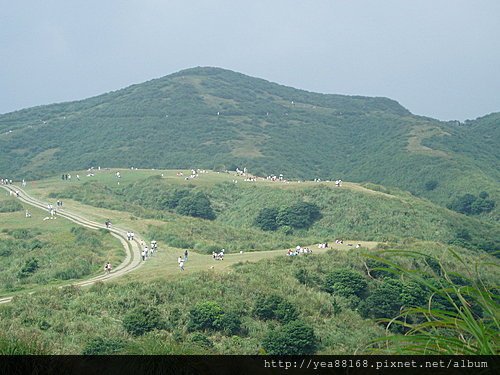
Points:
(215, 313)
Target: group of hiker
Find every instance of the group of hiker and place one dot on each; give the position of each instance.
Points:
(147, 252)
(299, 250)
(218, 255)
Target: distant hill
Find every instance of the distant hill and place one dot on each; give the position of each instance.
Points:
(213, 118)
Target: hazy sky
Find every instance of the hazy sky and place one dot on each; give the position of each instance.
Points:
(438, 58)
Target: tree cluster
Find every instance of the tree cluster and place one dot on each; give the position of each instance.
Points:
(297, 216)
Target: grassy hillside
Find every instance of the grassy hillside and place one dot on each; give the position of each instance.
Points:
(254, 302)
(371, 213)
(242, 311)
(35, 253)
(217, 119)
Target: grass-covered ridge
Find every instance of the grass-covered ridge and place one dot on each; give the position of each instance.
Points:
(368, 213)
(217, 119)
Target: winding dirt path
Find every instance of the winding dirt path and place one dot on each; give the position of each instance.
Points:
(132, 248)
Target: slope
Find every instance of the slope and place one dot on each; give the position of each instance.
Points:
(217, 119)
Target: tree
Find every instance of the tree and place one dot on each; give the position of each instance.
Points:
(141, 320)
(294, 338)
(205, 315)
(196, 205)
(266, 219)
(209, 315)
(471, 205)
(274, 307)
(299, 215)
(29, 268)
(384, 301)
(345, 282)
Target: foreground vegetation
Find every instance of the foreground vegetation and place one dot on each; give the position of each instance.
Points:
(287, 305)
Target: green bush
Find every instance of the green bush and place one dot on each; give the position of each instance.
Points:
(205, 315)
(299, 215)
(209, 315)
(431, 185)
(141, 320)
(103, 346)
(229, 323)
(202, 340)
(345, 282)
(266, 219)
(196, 205)
(294, 338)
(469, 204)
(29, 268)
(274, 307)
(383, 302)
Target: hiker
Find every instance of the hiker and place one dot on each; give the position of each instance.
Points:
(132, 234)
(128, 236)
(107, 268)
(143, 254)
(28, 214)
(185, 255)
(181, 263)
(146, 251)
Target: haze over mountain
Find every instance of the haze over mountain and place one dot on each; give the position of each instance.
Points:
(213, 118)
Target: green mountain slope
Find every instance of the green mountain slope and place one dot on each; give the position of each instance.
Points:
(213, 118)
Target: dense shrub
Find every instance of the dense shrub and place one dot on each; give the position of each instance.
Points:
(294, 338)
(383, 302)
(375, 268)
(229, 323)
(345, 282)
(296, 216)
(209, 315)
(29, 268)
(266, 219)
(471, 205)
(141, 320)
(299, 215)
(103, 346)
(205, 315)
(414, 294)
(196, 205)
(274, 307)
(202, 340)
